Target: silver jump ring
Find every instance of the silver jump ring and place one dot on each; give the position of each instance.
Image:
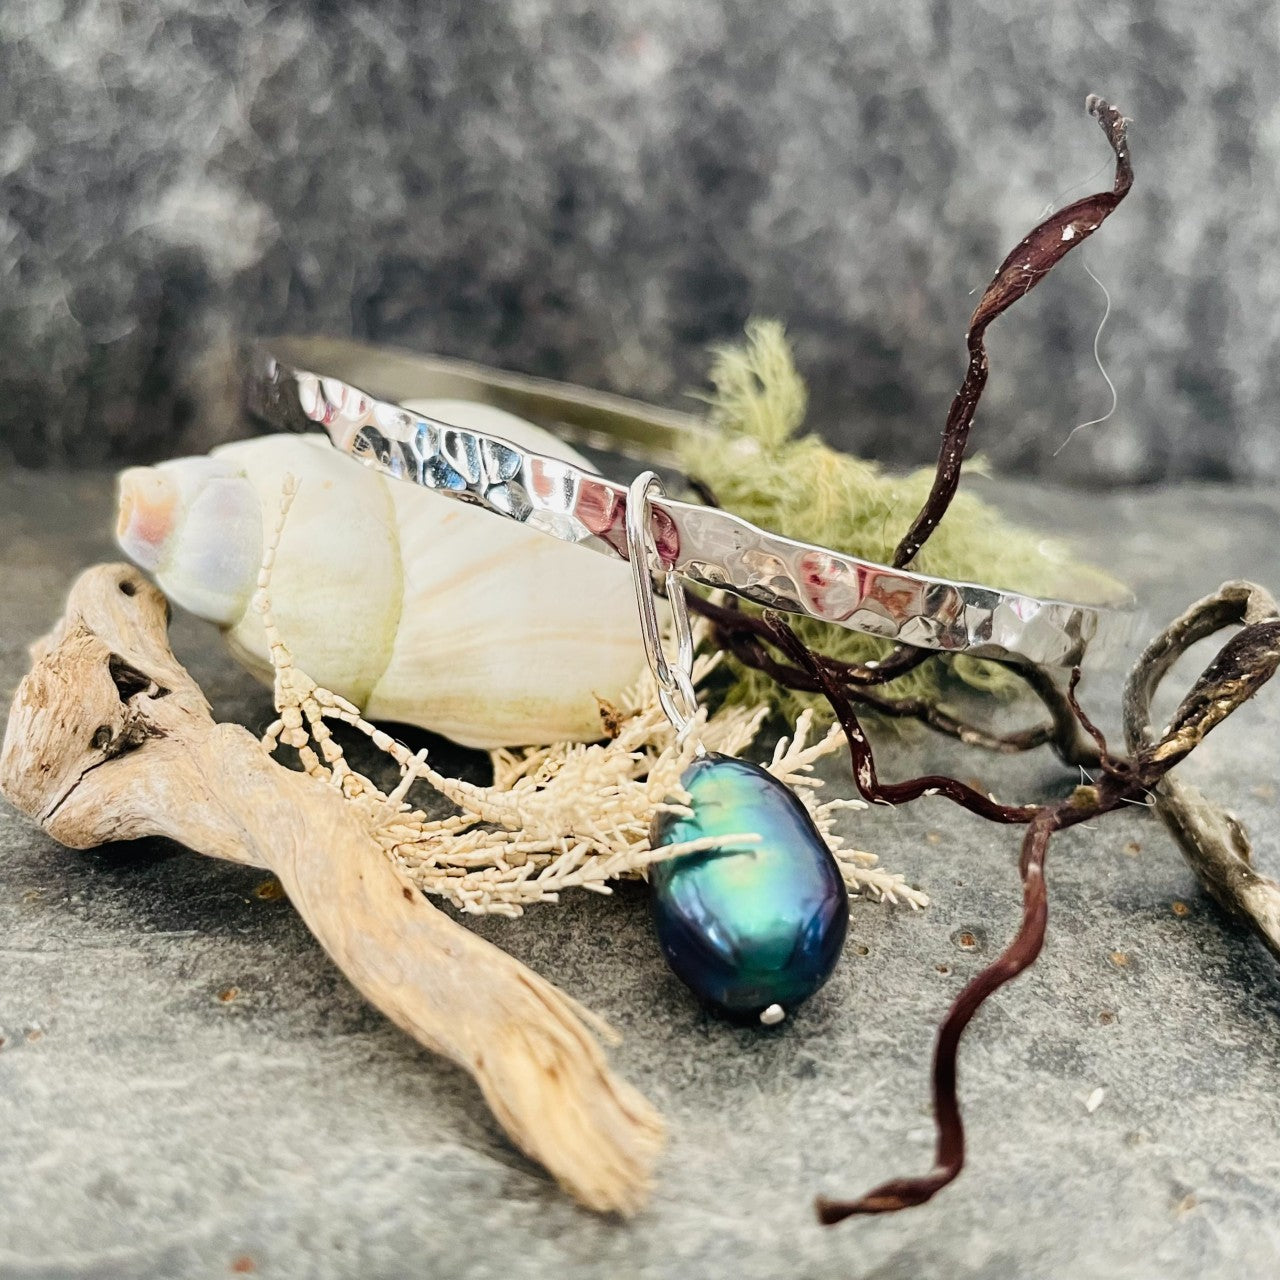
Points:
(674, 676)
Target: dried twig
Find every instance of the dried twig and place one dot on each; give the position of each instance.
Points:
(1213, 841)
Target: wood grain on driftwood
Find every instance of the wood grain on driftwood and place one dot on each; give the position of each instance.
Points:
(110, 738)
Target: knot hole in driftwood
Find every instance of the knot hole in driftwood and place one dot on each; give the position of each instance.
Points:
(129, 681)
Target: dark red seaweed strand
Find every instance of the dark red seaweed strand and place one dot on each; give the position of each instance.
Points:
(864, 765)
(1024, 268)
(935, 717)
(736, 622)
(743, 633)
(1020, 954)
(1108, 762)
(1241, 667)
(747, 637)
(751, 651)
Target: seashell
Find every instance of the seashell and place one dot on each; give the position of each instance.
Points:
(414, 607)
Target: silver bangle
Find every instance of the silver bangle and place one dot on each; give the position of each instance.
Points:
(355, 401)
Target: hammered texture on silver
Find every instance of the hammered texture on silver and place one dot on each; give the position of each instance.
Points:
(704, 544)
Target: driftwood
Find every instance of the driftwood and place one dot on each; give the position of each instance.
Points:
(1211, 839)
(109, 738)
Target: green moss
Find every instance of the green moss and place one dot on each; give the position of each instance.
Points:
(760, 466)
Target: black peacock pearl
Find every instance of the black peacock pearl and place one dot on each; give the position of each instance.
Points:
(747, 926)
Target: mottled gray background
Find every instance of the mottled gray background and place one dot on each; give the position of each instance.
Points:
(597, 191)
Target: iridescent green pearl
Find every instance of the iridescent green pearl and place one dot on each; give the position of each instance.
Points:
(747, 926)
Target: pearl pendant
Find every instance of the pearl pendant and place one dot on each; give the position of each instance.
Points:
(753, 929)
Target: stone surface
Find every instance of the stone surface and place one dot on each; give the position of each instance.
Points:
(189, 1088)
(598, 191)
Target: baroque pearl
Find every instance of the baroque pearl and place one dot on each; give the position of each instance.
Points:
(747, 926)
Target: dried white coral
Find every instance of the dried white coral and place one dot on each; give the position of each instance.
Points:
(568, 816)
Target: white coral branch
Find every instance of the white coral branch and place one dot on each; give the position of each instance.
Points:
(566, 816)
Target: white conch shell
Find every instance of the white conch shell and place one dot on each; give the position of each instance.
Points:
(415, 607)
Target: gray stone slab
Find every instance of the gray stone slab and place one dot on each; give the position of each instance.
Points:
(599, 190)
(151, 1127)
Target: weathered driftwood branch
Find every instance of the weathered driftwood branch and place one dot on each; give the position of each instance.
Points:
(110, 738)
(1212, 840)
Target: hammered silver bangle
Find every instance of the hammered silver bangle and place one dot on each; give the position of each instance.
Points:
(352, 392)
